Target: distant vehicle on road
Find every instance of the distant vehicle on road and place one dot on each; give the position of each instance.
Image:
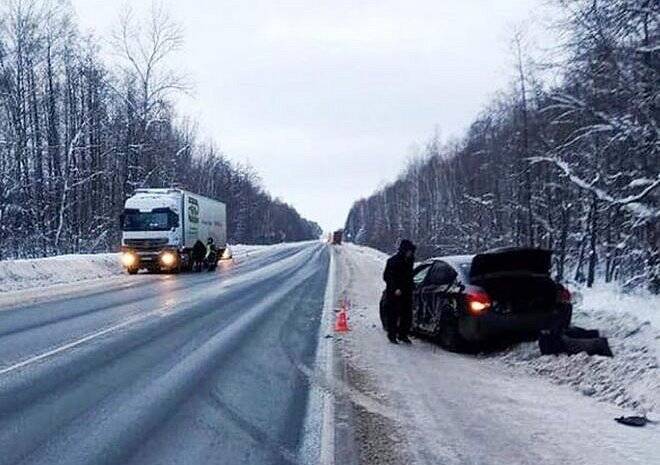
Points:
(160, 227)
(465, 301)
(337, 236)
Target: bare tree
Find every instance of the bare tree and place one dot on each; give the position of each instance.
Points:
(146, 46)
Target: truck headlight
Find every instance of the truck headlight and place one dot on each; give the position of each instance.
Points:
(168, 259)
(128, 259)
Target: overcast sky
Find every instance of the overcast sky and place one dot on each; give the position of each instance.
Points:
(326, 99)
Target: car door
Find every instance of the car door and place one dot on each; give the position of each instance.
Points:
(419, 274)
(435, 294)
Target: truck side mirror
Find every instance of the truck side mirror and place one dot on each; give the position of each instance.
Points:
(121, 220)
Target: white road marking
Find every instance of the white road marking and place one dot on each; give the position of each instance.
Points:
(70, 345)
(327, 453)
(318, 432)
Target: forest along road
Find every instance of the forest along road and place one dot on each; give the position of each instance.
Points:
(167, 369)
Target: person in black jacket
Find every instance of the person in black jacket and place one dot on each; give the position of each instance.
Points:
(398, 277)
(198, 253)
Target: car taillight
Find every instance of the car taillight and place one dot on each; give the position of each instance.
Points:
(563, 295)
(478, 302)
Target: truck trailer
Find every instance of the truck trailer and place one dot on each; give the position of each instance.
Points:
(160, 227)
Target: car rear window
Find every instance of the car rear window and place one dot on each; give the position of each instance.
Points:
(465, 268)
(462, 267)
(441, 273)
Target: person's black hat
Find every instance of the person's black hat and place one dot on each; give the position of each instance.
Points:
(406, 246)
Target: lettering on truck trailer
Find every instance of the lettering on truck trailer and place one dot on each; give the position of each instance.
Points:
(193, 215)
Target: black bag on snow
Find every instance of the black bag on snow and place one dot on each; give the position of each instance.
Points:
(581, 333)
(572, 341)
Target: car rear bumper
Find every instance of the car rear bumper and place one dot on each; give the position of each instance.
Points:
(493, 326)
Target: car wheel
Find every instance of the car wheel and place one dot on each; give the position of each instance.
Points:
(447, 335)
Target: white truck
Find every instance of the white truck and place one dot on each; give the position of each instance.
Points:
(160, 228)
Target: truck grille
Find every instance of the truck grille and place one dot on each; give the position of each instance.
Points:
(146, 244)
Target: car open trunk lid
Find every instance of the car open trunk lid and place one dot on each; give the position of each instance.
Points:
(517, 279)
(511, 261)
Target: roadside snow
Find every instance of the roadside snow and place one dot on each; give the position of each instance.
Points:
(456, 409)
(24, 274)
(644, 306)
(242, 251)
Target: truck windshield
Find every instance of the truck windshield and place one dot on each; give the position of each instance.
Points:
(161, 220)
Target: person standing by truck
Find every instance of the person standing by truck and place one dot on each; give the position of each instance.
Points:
(210, 249)
(398, 278)
(211, 257)
(198, 255)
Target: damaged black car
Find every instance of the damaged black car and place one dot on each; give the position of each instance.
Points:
(467, 301)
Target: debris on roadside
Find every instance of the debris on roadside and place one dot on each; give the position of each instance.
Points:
(634, 420)
(572, 341)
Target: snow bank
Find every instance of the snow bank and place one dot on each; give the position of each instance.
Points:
(39, 272)
(644, 306)
(240, 251)
(631, 378)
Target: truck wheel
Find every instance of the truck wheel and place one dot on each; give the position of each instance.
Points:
(186, 262)
(132, 270)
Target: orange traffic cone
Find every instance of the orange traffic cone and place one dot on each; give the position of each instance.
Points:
(341, 325)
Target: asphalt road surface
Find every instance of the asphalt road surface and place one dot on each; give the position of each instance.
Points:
(166, 369)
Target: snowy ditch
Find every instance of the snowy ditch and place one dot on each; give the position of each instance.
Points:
(631, 378)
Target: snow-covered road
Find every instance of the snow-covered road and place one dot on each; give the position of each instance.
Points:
(419, 404)
(164, 369)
